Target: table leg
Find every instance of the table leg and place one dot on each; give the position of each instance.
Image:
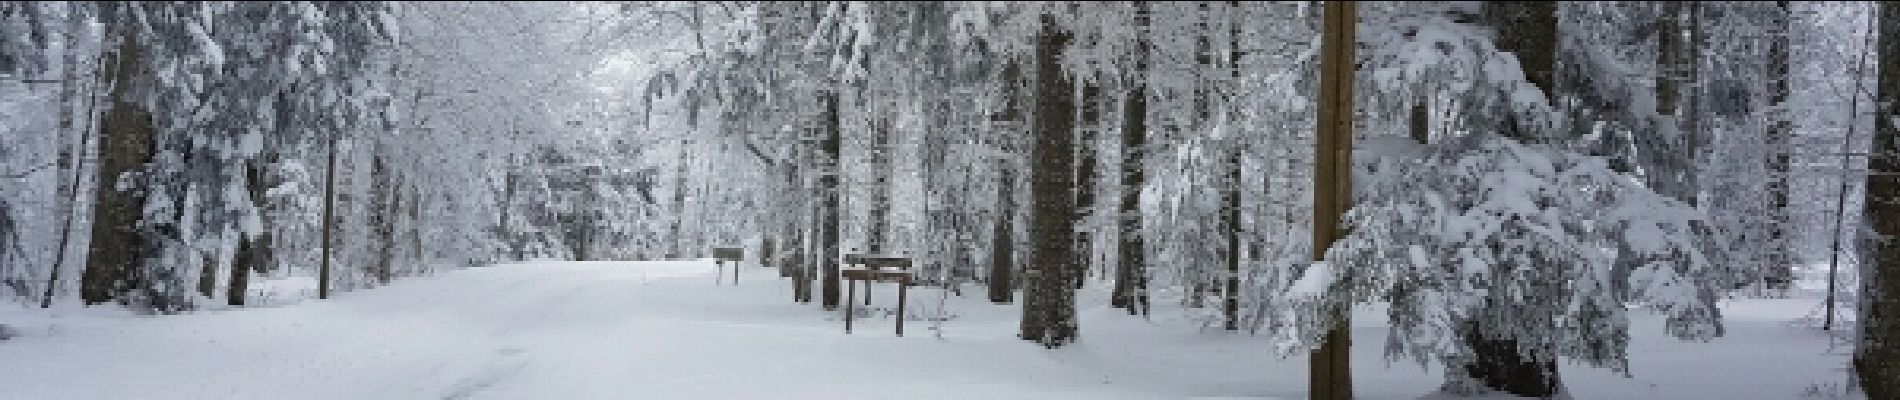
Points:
(735, 273)
(867, 293)
(849, 291)
(722, 273)
(903, 290)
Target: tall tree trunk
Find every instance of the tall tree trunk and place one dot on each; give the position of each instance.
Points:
(386, 209)
(254, 252)
(513, 244)
(880, 187)
(828, 183)
(1202, 277)
(680, 249)
(329, 220)
(1003, 243)
(208, 277)
(1085, 176)
(1231, 211)
(797, 217)
(1780, 272)
(1330, 369)
(1131, 269)
(1048, 292)
(1877, 360)
(1230, 216)
(116, 258)
(416, 249)
(1678, 50)
(804, 278)
(1527, 29)
(1002, 279)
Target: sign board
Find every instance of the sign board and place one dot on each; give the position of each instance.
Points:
(728, 253)
(885, 263)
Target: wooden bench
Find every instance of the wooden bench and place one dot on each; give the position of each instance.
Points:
(721, 255)
(876, 268)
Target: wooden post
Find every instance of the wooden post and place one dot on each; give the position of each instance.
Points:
(903, 293)
(850, 290)
(1330, 365)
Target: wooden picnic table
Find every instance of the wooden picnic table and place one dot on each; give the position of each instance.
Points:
(876, 268)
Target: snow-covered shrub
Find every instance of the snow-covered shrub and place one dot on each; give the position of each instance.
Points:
(1532, 243)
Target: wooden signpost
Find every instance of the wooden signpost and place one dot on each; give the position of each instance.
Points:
(876, 268)
(722, 255)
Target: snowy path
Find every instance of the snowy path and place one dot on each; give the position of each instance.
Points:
(664, 330)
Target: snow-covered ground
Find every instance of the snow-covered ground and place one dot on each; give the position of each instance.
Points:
(664, 330)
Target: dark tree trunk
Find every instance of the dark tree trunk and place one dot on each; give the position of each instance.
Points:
(1002, 279)
(1527, 29)
(1678, 48)
(1503, 367)
(830, 218)
(1877, 360)
(329, 221)
(250, 254)
(1085, 176)
(680, 250)
(880, 187)
(1231, 220)
(1048, 292)
(801, 262)
(384, 224)
(508, 238)
(208, 279)
(1231, 212)
(253, 253)
(1780, 134)
(1003, 244)
(116, 258)
(416, 250)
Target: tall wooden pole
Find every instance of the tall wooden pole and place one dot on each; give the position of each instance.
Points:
(1330, 365)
